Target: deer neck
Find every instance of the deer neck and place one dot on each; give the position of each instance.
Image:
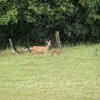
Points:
(48, 46)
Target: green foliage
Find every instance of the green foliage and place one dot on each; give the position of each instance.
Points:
(77, 20)
(8, 12)
(94, 5)
(10, 16)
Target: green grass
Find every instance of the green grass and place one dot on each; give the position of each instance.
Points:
(73, 75)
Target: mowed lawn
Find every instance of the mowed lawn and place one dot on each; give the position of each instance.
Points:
(73, 75)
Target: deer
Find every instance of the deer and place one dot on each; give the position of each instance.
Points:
(56, 51)
(41, 49)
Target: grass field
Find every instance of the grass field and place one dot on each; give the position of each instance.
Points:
(73, 75)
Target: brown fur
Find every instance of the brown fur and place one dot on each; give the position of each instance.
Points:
(56, 51)
(41, 49)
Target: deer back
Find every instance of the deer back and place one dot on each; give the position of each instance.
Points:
(41, 49)
(56, 51)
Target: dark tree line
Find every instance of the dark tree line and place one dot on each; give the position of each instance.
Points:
(31, 22)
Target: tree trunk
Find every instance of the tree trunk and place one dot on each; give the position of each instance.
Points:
(13, 48)
(58, 42)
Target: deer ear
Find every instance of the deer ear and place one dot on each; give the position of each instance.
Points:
(50, 41)
(46, 41)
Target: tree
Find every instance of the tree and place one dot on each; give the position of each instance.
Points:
(32, 21)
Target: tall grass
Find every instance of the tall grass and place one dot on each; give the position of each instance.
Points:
(73, 75)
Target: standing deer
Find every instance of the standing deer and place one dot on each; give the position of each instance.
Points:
(41, 49)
